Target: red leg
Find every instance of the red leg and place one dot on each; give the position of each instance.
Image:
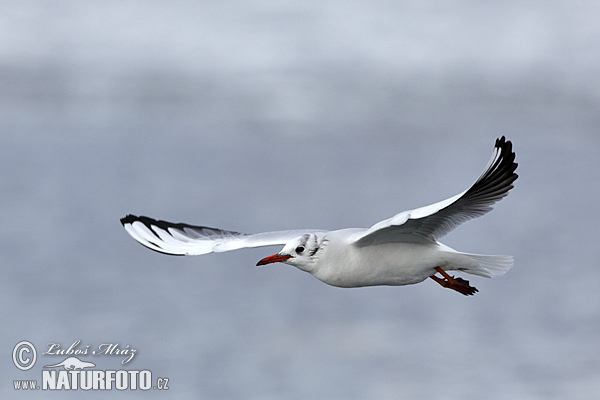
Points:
(460, 285)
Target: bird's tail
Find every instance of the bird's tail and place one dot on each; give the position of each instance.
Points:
(489, 266)
(477, 264)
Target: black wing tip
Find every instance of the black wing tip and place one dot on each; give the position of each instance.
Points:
(497, 180)
(149, 222)
(165, 225)
(506, 159)
(503, 143)
(506, 151)
(128, 219)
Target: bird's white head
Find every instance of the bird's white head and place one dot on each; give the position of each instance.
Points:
(302, 252)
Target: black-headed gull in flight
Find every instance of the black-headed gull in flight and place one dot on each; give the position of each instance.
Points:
(401, 250)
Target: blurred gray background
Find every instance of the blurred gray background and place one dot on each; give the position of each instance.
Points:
(272, 115)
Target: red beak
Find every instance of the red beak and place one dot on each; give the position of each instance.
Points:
(273, 259)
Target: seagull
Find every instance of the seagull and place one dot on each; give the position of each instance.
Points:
(401, 250)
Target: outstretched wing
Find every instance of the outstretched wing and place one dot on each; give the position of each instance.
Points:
(427, 224)
(183, 239)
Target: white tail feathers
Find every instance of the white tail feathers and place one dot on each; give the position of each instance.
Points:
(489, 266)
(476, 264)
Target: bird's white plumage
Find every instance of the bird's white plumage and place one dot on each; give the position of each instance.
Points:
(400, 250)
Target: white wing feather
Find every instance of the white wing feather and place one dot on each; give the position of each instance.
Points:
(183, 239)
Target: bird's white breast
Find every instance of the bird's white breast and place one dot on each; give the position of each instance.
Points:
(346, 265)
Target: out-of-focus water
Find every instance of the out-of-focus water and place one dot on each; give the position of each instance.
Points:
(269, 115)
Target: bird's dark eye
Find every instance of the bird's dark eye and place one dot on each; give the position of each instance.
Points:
(299, 249)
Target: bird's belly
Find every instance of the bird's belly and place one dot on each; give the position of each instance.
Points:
(385, 264)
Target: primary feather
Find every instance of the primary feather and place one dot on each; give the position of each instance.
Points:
(428, 224)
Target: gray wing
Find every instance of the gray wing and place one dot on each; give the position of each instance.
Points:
(427, 224)
(183, 239)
